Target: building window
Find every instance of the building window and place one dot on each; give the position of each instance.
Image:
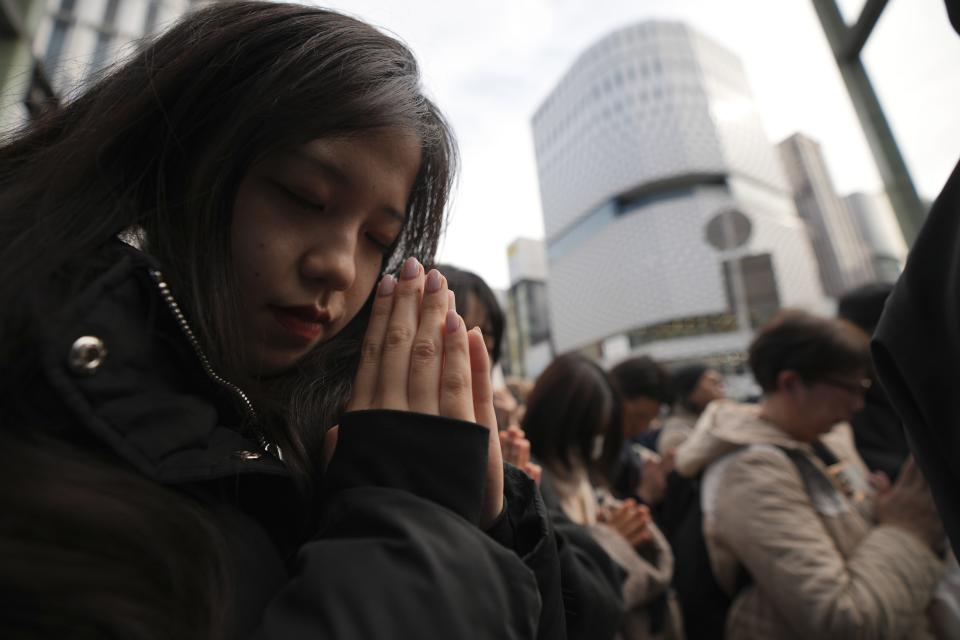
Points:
(58, 39)
(150, 24)
(101, 50)
(110, 15)
(760, 294)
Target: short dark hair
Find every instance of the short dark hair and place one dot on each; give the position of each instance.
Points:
(864, 305)
(572, 401)
(812, 346)
(462, 282)
(641, 377)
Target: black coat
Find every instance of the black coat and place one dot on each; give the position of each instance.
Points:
(916, 352)
(391, 550)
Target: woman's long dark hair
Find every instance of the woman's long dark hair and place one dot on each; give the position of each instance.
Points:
(160, 145)
(157, 149)
(571, 403)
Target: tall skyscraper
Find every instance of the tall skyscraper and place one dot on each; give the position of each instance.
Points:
(528, 312)
(80, 37)
(670, 229)
(881, 233)
(841, 255)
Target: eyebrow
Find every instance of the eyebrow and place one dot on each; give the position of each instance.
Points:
(338, 175)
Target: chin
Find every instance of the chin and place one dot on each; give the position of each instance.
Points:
(274, 364)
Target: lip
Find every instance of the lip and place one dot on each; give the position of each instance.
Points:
(306, 322)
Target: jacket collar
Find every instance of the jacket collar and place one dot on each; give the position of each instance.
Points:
(119, 361)
(725, 426)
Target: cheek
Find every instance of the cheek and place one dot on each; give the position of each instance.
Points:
(368, 273)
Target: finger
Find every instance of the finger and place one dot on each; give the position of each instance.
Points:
(456, 399)
(401, 328)
(506, 446)
(523, 452)
(365, 381)
(425, 356)
(910, 477)
(482, 383)
(644, 538)
(635, 527)
(620, 516)
(535, 471)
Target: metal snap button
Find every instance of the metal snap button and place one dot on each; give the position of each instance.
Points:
(247, 455)
(86, 355)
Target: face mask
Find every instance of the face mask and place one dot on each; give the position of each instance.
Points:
(597, 452)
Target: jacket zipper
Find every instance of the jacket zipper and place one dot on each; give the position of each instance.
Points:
(181, 319)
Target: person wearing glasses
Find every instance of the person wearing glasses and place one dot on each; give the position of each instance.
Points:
(797, 536)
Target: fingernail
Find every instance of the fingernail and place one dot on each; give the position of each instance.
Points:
(387, 285)
(453, 321)
(411, 269)
(453, 301)
(433, 281)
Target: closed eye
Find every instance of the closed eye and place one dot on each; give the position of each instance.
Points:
(300, 200)
(383, 247)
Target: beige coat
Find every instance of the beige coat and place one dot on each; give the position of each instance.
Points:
(646, 580)
(676, 429)
(820, 567)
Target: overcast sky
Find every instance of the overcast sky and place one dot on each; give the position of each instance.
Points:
(489, 65)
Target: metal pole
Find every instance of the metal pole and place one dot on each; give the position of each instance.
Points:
(846, 44)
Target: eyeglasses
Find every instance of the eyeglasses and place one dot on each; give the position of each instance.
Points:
(860, 386)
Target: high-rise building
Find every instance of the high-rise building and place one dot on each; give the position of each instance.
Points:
(881, 234)
(670, 228)
(841, 255)
(80, 37)
(528, 312)
(24, 89)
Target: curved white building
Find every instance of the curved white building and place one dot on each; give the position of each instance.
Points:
(670, 229)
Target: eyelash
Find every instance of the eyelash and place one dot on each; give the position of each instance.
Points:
(300, 200)
(383, 247)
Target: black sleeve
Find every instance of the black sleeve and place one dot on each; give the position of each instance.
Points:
(399, 554)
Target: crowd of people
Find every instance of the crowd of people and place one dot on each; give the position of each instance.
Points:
(240, 398)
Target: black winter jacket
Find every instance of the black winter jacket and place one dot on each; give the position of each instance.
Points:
(391, 551)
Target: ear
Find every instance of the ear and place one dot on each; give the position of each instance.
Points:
(788, 380)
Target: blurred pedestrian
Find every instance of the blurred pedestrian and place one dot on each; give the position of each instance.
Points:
(644, 388)
(573, 421)
(796, 534)
(694, 387)
(877, 429)
(591, 581)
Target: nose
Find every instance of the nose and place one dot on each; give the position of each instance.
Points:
(331, 261)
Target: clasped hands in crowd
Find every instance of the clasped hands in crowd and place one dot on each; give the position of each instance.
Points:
(418, 355)
(629, 519)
